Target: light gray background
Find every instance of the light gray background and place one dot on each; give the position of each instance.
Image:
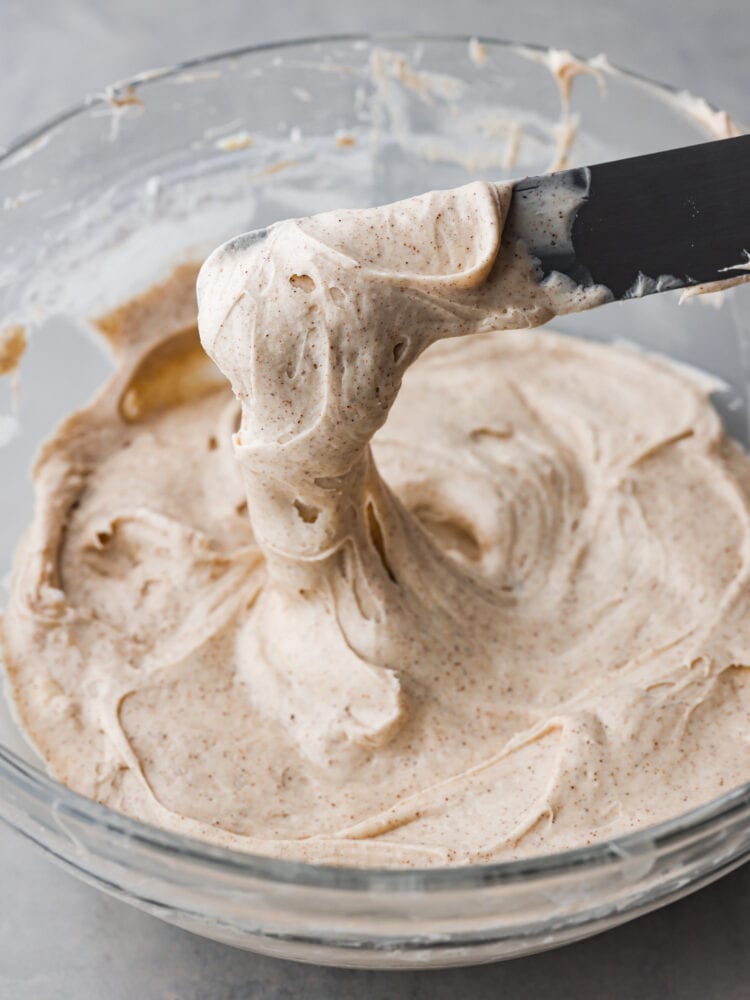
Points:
(60, 939)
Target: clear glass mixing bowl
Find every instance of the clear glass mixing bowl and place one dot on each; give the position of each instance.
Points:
(104, 201)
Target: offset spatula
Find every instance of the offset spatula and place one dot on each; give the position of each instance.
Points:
(645, 224)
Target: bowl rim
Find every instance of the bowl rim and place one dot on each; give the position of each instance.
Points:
(702, 820)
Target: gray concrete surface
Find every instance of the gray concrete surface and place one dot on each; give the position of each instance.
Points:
(62, 940)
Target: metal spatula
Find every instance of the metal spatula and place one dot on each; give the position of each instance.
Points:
(645, 224)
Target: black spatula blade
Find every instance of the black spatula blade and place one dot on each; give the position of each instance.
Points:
(645, 224)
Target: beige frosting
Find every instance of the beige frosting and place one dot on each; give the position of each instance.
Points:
(498, 609)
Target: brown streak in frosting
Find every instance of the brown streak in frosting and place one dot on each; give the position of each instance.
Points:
(13, 342)
(176, 370)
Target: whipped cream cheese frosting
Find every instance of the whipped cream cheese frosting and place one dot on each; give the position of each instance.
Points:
(423, 587)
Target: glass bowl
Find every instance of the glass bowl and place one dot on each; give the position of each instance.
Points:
(104, 201)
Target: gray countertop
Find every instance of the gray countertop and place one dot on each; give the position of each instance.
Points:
(60, 939)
